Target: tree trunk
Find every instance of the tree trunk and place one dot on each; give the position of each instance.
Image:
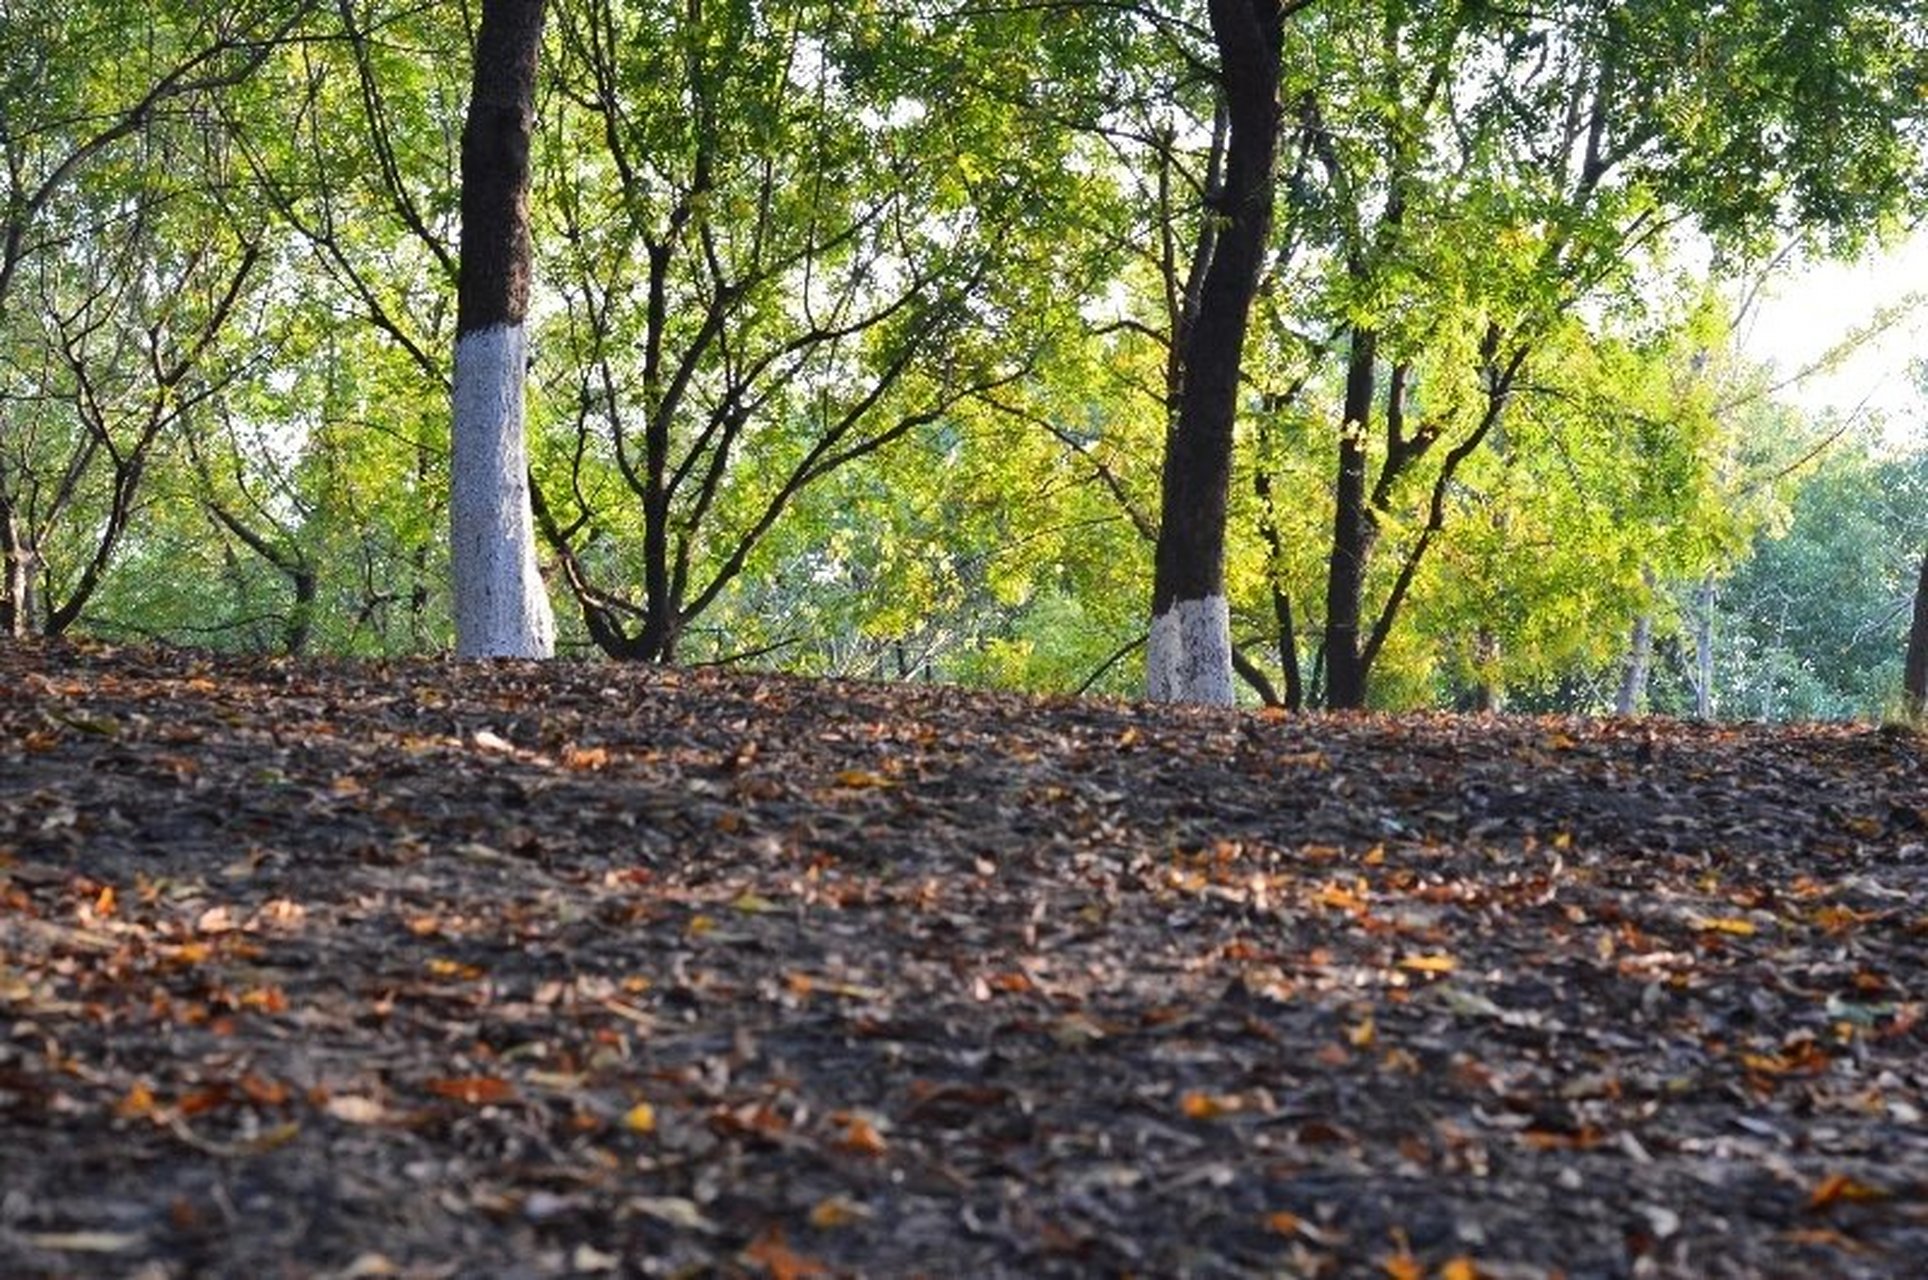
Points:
(1487, 697)
(1632, 694)
(1189, 655)
(1914, 673)
(19, 605)
(501, 606)
(1353, 531)
(1704, 648)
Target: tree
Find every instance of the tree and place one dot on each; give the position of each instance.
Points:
(1914, 678)
(99, 157)
(501, 606)
(1188, 657)
(786, 239)
(1474, 175)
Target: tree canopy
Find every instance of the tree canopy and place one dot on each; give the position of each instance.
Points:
(870, 339)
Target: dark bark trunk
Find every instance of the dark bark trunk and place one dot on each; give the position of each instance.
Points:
(1190, 563)
(1281, 601)
(1353, 531)
(496, 256)
(1914, 672)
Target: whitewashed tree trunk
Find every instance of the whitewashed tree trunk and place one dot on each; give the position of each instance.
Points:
(1189, 655)
(501, 606)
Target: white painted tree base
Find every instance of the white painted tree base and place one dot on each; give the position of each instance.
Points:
(1189, 655)
(501, 606)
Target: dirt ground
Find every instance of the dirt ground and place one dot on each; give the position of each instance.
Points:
(506, 970)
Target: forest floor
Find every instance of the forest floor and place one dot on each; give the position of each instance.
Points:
(515, 970)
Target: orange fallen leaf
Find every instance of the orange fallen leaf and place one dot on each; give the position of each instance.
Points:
(1199, 1105)
(202, 1101)
(640, 1118)
(837, 1211)
(585, 757)
(474, 1090)
(1837, 1187)
(857, 1135)
(262, 1091)
(264, 999)
(1429, 963)
(1403, 1266)
(1283, 1223)
(1338, 897)
(769, 1253)
(138, 1101)
(1460, 1268)
(1826, 1236)
(858, 779)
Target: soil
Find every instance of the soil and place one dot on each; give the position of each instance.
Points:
(315, 968)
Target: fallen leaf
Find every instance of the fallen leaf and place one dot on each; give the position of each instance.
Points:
(85, 1241)
(640, 1118)
(1403, 1266)
(1200, 1105)
(1838, 1187)
(215, 920)
(474, 1090)
(837, 1211)
(588, 1260)
(585, 757)
(675, 1210)
(138, 1101)
(769, 1253)
(1283, 1223)
(356, 1109)
(1724, 924)
(857, 1134)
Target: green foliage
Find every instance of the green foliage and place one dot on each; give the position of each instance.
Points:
(1813, 623)
(853, 326)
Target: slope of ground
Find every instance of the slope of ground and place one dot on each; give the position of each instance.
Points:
(314, 969)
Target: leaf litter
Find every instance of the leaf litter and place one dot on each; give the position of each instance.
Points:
(317, 968)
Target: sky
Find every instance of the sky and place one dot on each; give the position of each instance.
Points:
(1807, 310)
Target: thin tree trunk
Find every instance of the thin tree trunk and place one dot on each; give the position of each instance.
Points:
(1353, 531)
(1914, 673)
(501, 606)
(1189, 654)
(1632, 694)
(19, 606)
(1487, 697)
(1704, 648)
